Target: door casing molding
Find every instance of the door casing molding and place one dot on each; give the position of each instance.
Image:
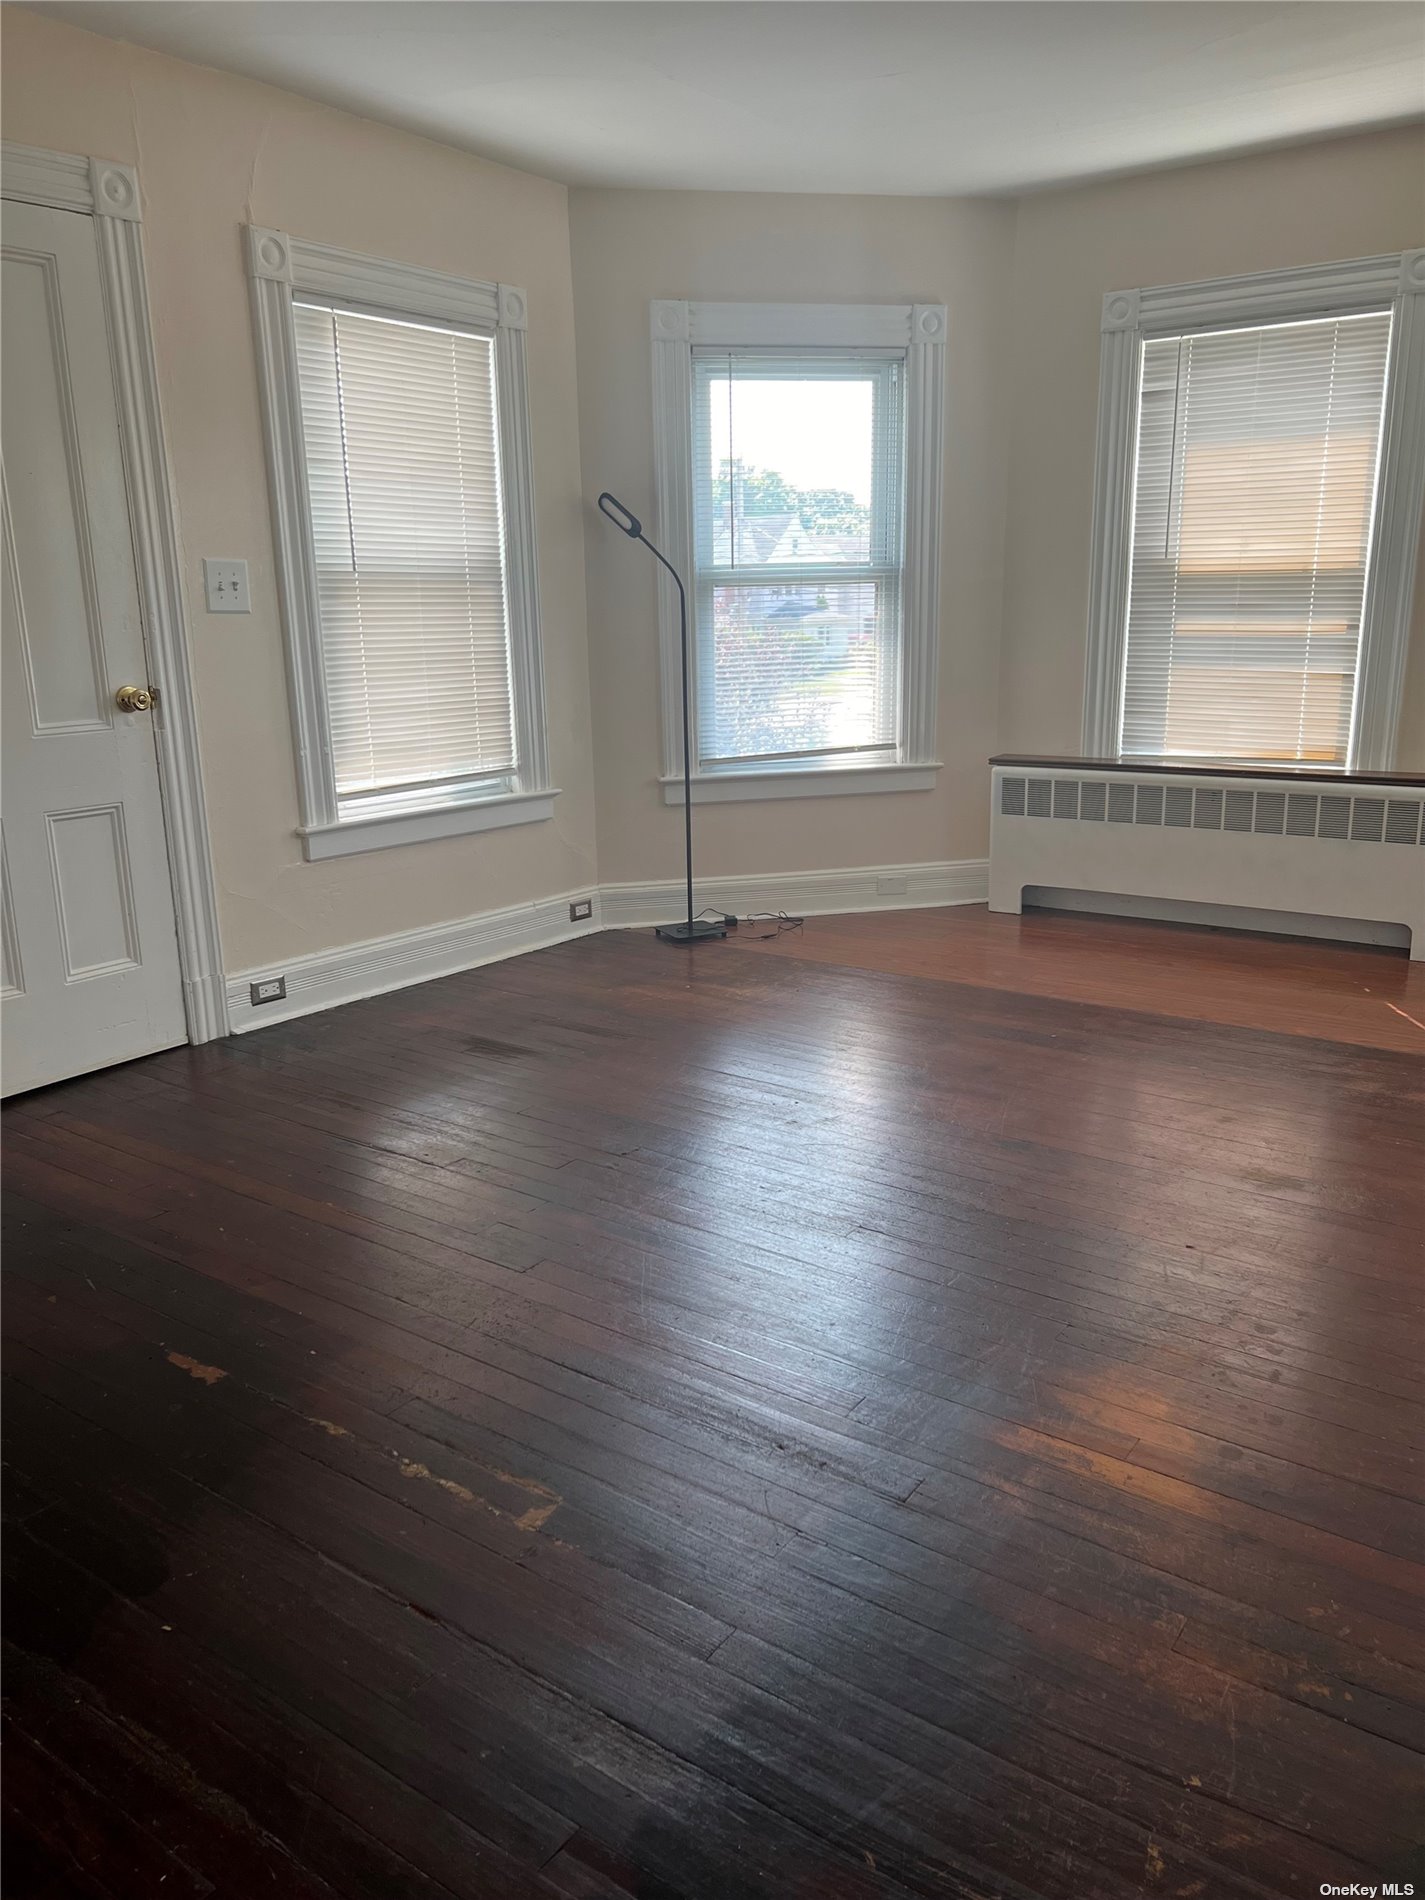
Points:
(109, 193)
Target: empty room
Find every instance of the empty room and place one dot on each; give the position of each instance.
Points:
(714, 949)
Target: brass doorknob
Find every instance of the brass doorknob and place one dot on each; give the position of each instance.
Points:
(134, 698)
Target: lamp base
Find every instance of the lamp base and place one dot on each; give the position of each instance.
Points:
(690, 933)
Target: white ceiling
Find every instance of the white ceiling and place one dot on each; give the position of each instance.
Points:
(799, 95)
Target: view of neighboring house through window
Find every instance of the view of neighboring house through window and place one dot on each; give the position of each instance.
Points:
(1251, 557)
(798, 505)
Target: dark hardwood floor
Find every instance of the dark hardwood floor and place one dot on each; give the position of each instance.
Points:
(928, 1406)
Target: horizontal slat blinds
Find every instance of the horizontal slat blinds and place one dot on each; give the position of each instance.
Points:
(1257, 456)
(798, 532)
(404, 478)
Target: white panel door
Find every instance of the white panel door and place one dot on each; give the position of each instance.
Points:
(91, 972)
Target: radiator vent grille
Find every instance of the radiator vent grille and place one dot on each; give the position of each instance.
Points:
(1334, 820)
(1207, 809)
(1177, 805)
(1271, 813)
(1239, 812)
(1402, 820)
(1369, 819)
(1301, 815)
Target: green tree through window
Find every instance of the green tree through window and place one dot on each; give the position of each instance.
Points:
(765, 492)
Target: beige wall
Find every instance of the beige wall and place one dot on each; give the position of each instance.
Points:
(1023, 283)
(632, 246)
(214, 152)
(1346, 198)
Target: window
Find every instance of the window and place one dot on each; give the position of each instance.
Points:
(403, 478)
(395, 402)
(809, 537)
(1253, 604)
(798, 530)
(1257, 454)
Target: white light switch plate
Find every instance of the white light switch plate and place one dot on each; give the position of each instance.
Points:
(225, 587)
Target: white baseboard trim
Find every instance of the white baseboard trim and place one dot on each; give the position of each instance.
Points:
(330, 977)
(803, 893)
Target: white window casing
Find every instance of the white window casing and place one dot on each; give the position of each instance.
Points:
(900, 350)
(1278, 359)
(452, 351)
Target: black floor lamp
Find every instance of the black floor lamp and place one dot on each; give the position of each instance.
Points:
(691, 931)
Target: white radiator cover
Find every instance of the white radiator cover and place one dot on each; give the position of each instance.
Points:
(1305, 848)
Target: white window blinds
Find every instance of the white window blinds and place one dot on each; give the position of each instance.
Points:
(798, 537)
(1252, 508)
(404, 478)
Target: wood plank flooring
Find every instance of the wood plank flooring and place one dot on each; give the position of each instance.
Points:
(1367, 996)
(926, 1406)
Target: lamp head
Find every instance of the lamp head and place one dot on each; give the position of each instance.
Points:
(620, 516)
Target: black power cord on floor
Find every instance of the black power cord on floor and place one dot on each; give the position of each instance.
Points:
(779, 919)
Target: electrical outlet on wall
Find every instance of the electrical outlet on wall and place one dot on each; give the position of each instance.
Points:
(581, 910)
(271, 989)
(225, 587)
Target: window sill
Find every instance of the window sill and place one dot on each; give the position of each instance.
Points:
(416, 827)
(723, 788)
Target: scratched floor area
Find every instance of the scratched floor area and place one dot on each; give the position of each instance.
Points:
(887, 1412)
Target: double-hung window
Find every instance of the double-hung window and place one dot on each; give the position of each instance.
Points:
(808, 534)
(1258, 503)
(395, 410)
(799, 531)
